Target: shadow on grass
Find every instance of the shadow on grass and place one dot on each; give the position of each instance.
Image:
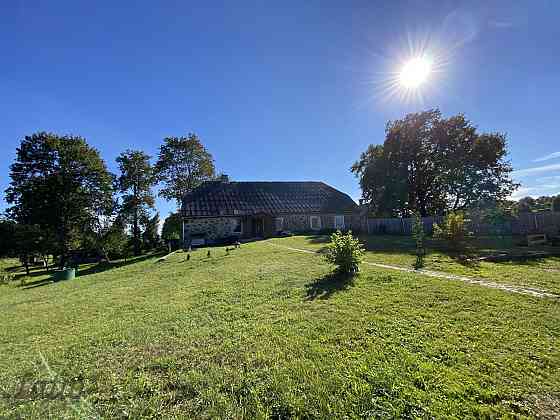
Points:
(319, 239)
(104, 266)
(326, 286)
(37, 283)
(495, 249)
(92, 269)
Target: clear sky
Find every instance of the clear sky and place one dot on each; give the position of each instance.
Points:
(278, 90)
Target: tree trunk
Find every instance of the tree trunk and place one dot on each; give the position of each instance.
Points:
(63, 258)
(136, 230)
(26, 264)
(105, 254)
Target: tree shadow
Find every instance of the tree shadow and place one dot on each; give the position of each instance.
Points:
(319, 239)
(105, 265)
(324, 287)
(37, 283)
(92, 269)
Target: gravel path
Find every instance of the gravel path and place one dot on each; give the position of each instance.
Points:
(471, 280)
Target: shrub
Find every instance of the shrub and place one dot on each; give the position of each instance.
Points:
(345, 252)
(453, 230)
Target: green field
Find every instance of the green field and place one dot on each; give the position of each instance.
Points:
(266, 332)
(542, 273)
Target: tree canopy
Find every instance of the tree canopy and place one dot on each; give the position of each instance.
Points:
(433, 165)
(150, 237)
(60, 184)
(542, 203)
(172, 227)
(135, 184)
(183, 164)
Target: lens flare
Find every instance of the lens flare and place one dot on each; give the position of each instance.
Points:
(415, 72)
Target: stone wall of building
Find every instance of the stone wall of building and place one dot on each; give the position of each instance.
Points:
(222, 227)
(295, 222)
(212, 227)
(302, 222)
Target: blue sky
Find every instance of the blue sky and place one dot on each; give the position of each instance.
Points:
(278, 90)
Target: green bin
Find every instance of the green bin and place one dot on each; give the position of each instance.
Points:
(66, 274)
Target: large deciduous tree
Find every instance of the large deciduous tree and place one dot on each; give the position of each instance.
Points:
(433, 165)
(135, 183)
(60, 184)
(183, 164)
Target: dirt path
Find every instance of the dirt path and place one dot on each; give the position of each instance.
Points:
(471, 280)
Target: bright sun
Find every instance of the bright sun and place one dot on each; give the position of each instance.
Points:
(415, 72)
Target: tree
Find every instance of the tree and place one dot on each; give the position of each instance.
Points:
(115, 240)
(135, 183)
(59, 183)
(432, 165)
(183, 164)
(495, 214)
(107, 237)
(540, 204)
(418, 235)
(543, 203)
(526, 205)
(556, 204)
(171, 231)
(7, 235)
(150, 237)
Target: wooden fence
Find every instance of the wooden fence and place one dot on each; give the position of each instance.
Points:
(399, 226)
(525, 223)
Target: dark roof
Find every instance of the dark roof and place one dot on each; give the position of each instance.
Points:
(218, 198)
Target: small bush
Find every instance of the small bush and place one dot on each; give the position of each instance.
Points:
(454, 231)
(345, 252)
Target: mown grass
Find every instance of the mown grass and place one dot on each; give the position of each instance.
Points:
(265, 332)
(543, 273)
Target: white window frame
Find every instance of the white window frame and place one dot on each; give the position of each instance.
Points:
(279, 224)
(318, 218)
(339, 221)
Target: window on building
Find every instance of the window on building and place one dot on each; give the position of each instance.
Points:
(315, 222)
(339, 221)
(279, 224)
(237, 226)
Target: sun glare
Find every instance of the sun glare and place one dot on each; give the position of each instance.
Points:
(415, 72)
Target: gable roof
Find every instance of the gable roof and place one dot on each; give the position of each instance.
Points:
(217, 198)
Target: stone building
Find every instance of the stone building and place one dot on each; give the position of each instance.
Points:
(223, 209)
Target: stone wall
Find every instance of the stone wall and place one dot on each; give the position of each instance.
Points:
(221, 227)
(302, 222)
(295, 222)
(212, 227)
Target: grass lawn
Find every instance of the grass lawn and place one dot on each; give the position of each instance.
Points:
(400, 250)
(264, 332)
